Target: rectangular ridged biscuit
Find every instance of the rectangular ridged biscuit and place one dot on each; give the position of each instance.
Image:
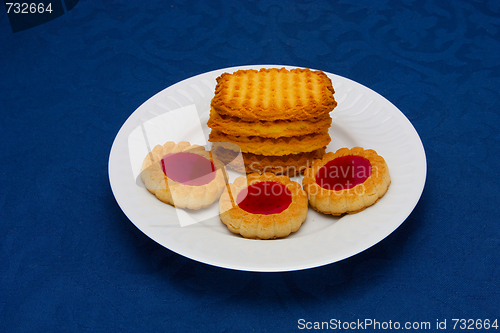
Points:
(291, 165)
(272, 94)
(268, 129)
(268, 146)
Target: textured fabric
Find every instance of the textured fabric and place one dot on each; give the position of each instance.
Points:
(70, 260)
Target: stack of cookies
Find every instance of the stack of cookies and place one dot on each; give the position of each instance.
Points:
(278, 119)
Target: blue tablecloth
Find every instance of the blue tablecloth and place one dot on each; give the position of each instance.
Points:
(70, 260)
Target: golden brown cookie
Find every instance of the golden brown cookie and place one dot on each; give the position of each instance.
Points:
(268, 129)
(290, 165)
(271, 147)
(271, 94)
(183, 175)
(263, 206)
(346, 181)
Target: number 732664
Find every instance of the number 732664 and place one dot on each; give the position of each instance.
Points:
(478, 324)
(28, 8)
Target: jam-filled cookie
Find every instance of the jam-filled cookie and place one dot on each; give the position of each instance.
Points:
(346, 181)
(263, 206)
(183, 175)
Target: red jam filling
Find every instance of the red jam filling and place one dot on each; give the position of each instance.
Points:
(188, 169)
(344, 173)
(266, 197)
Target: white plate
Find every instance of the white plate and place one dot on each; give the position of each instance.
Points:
(362, 118)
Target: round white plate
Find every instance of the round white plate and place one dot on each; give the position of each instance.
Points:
(362, 118)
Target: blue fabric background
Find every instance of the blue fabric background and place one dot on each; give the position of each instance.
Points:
(71, 261)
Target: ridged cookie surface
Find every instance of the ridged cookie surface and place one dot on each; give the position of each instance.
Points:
(271, 94)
